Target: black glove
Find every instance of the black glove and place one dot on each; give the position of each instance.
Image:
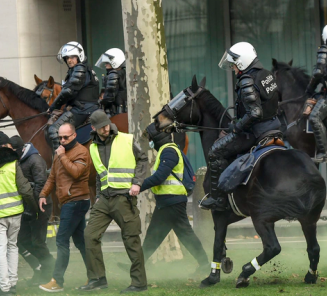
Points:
(232, 128)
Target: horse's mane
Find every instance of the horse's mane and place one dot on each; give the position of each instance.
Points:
(300, 74)
(213, 106)
(25, 95)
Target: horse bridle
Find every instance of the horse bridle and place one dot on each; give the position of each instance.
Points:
(176, 105)
(40, 90)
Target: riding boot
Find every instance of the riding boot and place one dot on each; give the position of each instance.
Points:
(217, 199)
(317, 116)
(113, 110)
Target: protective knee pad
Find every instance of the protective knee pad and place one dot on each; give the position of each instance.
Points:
(53, 131)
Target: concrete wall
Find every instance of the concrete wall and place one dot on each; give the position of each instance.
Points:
(31, 34)
(43, 27)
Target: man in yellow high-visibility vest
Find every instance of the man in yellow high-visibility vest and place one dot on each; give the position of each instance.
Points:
(171, 200)
(14, 191)
(121, 168)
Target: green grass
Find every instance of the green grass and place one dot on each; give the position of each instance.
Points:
(282, 276)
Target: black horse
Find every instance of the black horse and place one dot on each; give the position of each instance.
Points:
(292, 83)
(285, 184)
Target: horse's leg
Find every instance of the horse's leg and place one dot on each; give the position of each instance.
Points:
(271, 248)
(310, 232)
(221, 221)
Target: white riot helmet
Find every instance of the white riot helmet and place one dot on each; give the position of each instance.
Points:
(241, 54)
(324, 34)
(71, 48)
(114, 56)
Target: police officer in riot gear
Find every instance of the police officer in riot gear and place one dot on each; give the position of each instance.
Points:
(79, 92)
(317, 101)
(115, 96)
(256, 109)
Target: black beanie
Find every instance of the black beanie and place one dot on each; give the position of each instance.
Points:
(158, 138)
(16, 142)
(4, 139)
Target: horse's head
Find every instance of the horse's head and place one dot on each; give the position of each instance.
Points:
(182, 108)
(48, 90)
(291, 80)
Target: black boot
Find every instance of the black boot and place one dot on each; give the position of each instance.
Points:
(95, 284)
(217, 199)
(133, 289)
(219, 204)
(317, 117)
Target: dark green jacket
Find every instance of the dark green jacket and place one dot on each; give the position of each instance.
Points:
(104, 151)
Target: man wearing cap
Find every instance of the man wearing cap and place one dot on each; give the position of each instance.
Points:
(70, 175)
(33, 233)
(14, 191)
(121, 168)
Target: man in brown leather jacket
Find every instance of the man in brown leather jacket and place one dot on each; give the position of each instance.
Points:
(70, 174)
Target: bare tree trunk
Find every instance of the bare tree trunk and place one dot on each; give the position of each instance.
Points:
(147, 91)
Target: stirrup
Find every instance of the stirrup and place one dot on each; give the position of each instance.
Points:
(200, 202)
(215, 205)
(320, 159)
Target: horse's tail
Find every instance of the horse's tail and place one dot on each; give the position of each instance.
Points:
(293, 204)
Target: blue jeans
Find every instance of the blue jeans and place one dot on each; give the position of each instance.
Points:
(72, 224)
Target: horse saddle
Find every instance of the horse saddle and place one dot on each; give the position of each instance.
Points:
(240, 170)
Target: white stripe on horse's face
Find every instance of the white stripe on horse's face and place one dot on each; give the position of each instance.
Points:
(163, 121)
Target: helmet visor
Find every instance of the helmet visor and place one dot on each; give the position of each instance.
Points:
(59, 55)
(178, 102)
(103, 60)
(225, 62)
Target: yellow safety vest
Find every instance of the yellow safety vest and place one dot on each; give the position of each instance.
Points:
(121, 166)
(11, 203)
(171, 185)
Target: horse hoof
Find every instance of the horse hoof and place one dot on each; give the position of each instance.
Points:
(242, 282)
(311, 278)
(211, 280)
(227, 265)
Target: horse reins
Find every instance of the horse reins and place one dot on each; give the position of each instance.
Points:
(19, 120)
(295, 122)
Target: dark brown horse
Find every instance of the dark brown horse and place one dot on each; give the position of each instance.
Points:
(285, 184)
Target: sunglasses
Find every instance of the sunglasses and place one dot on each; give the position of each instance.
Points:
(65, 137)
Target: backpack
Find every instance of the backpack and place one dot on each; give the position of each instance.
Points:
(188, 175)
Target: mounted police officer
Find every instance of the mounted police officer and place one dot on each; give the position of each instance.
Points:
(115, 96)
(317, 101)
(80, 90)
(256, 109)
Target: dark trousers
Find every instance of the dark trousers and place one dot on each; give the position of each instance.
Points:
(72, 224)
(105, 210)
(173, 218)
(31, 241)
